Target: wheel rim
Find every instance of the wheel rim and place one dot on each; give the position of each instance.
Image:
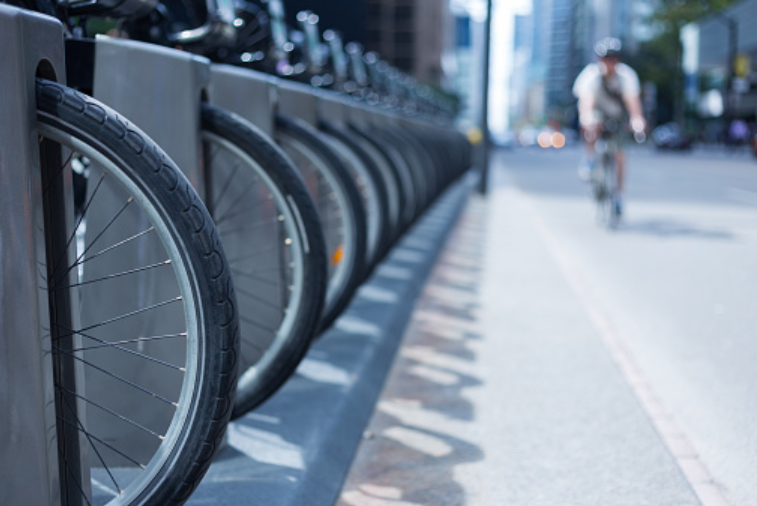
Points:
(237, 197)
(332, 207)
(368, 194)
(122, 468)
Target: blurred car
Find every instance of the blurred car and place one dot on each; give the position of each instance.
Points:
(671, 136)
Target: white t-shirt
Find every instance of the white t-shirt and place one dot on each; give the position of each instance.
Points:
(624, 83)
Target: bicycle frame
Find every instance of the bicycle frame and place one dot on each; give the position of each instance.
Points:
(604, 179)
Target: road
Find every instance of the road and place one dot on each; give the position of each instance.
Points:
(675, 284)
(552, 362)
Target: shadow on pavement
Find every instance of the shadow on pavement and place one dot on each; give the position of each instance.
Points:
(417, 436)
(673, 228)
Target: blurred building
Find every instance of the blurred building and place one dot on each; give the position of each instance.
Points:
(347, 16)
(721, 74)
(555, 42)
(410, 34)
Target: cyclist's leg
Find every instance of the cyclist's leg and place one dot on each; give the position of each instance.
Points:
(620, 170)
(589, 134)
(620, 163)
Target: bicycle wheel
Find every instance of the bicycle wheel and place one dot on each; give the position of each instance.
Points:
(370, 187)
(391, 180)
(143, 319)
(404, 173)
(339, 207)
(604, 190)
(270, 229)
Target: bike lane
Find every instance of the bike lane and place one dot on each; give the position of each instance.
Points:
(512, 387)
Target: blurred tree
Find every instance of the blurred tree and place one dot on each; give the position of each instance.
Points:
(659, 59)
(674, 14)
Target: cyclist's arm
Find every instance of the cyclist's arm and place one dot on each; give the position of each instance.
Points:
(586, 114)
(631, 98)
(585, 89)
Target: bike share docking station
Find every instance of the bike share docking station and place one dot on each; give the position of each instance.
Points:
(163, 97)
(250, 94)
(32, 46)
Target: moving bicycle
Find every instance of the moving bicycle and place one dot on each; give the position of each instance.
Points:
(608, 93)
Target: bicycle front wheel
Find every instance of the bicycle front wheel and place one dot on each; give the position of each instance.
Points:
(604, 190)
(143, 320)
(340, 209)
(270, 228)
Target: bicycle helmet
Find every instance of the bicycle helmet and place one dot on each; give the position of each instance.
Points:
(608, 47)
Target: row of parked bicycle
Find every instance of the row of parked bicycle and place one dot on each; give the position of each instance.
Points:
(187, 281)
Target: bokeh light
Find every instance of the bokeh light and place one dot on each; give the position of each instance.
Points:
(544, 140)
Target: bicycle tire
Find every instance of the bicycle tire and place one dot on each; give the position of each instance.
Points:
(371, 188)
(416, 171)
(266, 211)
(339, 206)
(150, 422)
(400, 161)
(604, 189)
(391, 180)
(400, 170)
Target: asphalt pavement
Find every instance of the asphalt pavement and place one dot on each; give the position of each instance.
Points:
(550, 361)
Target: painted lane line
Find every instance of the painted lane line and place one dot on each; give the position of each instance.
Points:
(679, 445)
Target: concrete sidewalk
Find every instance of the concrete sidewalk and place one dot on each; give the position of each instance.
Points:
(296, 449)
(510, 389)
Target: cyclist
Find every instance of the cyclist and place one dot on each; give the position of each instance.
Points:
(607, 90)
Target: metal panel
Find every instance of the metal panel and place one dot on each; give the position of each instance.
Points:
(333, 107)
(28, 455)
(297, 100)
(250, 94)
(159, 89)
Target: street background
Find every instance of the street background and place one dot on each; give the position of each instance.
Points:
(552, 361)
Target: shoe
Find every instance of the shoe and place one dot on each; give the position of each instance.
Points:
(618, 207)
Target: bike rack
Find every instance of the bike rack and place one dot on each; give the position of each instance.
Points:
(298, 100)
(334, 107)
(28, 443)
(161, 95)
(248, 93)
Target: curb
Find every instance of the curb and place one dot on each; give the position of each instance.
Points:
(297, 448)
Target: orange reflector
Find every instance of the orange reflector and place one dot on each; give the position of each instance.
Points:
(338, 255)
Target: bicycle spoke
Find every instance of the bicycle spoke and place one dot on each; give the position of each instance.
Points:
(114, 246)
(121, 348)
(76, 481)
(116, 377)
(107, 226)
(249, 228)
(121, 317)
(79, 222)
(256, 298)
(89, 437)
(248, 256)
(222, 193)
(132, 341)
(241, 197)
(58, 173)
(113, 413)
(107, 445)
(116, 275)
(252, 211)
